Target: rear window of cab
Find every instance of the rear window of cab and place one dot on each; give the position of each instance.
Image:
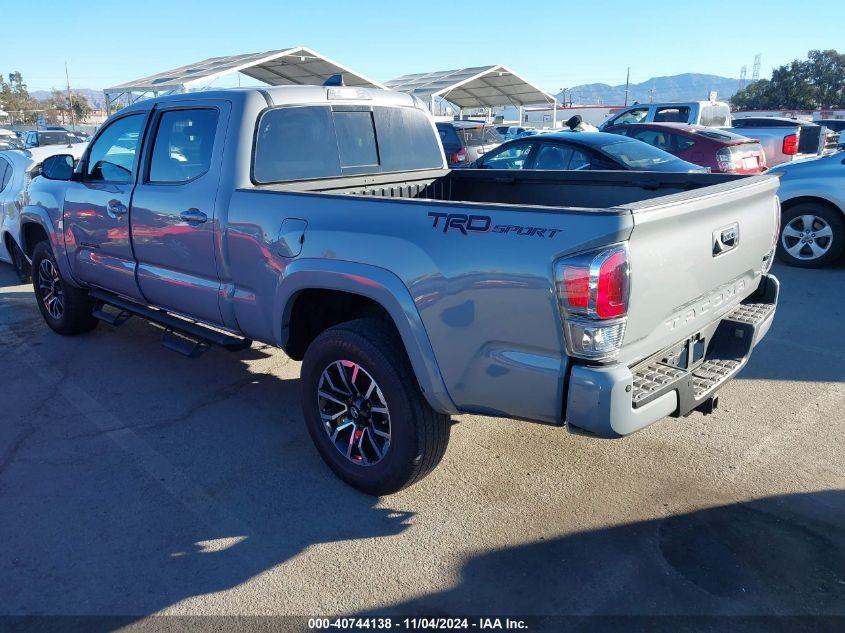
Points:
(309, 142)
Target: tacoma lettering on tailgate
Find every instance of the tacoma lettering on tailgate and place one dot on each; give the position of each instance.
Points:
(697, 308)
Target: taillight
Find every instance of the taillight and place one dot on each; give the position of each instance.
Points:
(790, 144)
(725, 160)
(460, 156)
(592, 291)
(612, 291)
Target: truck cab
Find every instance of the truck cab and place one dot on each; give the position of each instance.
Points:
(707, 113)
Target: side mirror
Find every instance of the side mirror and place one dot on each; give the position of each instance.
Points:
(58, 167)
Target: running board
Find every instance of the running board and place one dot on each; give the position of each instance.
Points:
(180, 335)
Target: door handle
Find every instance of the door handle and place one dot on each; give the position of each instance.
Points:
(193, 215)
(116, 208)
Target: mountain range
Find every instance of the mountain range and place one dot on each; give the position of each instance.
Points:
(685, 87)
(95, 98)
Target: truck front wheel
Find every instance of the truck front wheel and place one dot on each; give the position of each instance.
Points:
(65, 308)
(364, 409)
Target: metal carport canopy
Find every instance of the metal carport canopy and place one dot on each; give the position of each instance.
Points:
(478, 87)
(283, 67)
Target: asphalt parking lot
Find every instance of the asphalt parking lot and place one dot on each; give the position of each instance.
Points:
(134, 481)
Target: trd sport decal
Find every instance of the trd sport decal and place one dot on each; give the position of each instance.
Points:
(467, 224)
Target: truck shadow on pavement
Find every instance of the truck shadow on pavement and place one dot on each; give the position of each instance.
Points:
(193, 477)
(197, 477)
(782, 555)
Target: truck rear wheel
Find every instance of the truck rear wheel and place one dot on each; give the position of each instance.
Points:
(812, 235)
(65, 308)
(364, 409)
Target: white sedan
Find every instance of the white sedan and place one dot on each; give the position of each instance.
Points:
(17, 169)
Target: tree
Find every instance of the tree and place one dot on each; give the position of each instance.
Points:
(816, 82)
(15, 99)
(57, 105)
(81, 107)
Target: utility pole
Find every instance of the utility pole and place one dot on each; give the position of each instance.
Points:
(755, 72)
(627, 83)
(69, 101)
(743, 74)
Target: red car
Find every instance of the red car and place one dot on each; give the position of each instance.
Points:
(721, 151)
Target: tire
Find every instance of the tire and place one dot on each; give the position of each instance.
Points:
(417, 435)
(72, 314)
(22, 267)
(812, 235)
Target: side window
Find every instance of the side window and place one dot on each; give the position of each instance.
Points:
(553, 156)
(356, 139)
(677, 114)
(635, 115)
(511, 157)
(112, 155)
(715, 116)
(579, 160)
(183, 145)
(680, 143)
(652, 137)
(560, 157)
(296, 143)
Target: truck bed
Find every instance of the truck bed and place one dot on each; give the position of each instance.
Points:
(560, 189)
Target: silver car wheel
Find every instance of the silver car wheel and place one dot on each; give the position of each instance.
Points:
(50, 289)
(354, 412)
(807, 237)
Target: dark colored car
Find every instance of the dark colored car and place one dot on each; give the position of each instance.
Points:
(582, 150)
(41, 138)
(721, 151)
(465, 141)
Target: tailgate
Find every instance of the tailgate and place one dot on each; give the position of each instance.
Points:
(695, 256)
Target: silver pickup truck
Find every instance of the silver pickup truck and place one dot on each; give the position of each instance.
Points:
(323, 220)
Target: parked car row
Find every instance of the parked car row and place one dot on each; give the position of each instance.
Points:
(812, 188)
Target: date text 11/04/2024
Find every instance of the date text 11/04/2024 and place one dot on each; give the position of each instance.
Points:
(467, 224)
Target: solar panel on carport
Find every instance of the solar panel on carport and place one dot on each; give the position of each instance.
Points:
(283, 67)
(476, 87)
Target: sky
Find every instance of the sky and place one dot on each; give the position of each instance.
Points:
(553, 44)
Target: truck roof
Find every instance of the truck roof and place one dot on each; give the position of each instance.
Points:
(281, 95)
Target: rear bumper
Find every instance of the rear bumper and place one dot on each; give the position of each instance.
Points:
(617, 400)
